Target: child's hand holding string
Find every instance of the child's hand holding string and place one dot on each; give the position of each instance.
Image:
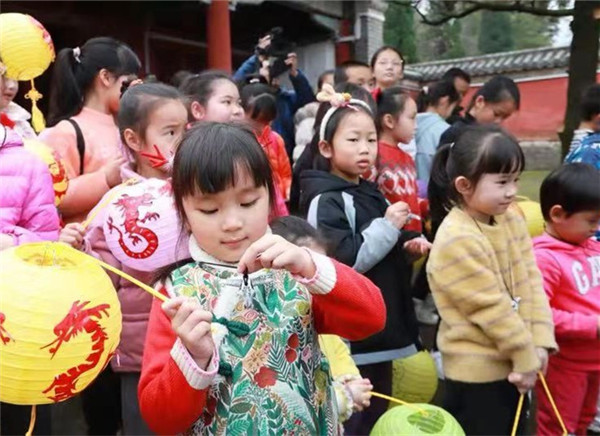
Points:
(397, 214)
(524, 381)
(360, 389)
(272, 251)
(192, 325)
(72, 234)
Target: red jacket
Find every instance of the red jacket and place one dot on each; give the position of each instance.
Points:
(353, 309)
(274, 148)
(396, 176)
(572, 282)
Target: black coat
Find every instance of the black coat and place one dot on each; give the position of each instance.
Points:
(351, 218)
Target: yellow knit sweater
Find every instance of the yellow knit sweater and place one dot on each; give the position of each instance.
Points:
(481, 337)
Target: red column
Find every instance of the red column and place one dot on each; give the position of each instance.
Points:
(343, 49)
(218, 35)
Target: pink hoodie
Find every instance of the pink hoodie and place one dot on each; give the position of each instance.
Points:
(572, 282)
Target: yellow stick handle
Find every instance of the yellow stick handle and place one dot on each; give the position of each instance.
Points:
(545, 385)
(396, 400)
(518, 415)
(133, 280)
(106, 202)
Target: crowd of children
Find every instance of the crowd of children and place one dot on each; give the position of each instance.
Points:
(286, 324)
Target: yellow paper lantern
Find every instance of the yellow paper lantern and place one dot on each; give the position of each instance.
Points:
(26, 50)
(532, 212)
(60, 180)
(60, 322)
(414, 378)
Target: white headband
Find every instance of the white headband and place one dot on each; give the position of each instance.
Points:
(352, 103)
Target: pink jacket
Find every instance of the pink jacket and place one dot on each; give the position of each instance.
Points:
(572, 281)
(27, 210)
(135, 302)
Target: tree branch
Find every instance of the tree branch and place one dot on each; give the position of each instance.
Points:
(474, 6)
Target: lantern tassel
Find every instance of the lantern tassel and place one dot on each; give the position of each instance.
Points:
(31, 421)
(37, 118)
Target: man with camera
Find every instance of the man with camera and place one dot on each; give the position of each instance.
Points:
(275, 56)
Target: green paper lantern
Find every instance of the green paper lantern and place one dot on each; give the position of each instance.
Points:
(414, 378)
(430, 420)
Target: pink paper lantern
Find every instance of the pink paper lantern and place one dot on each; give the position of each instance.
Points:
(143, 229)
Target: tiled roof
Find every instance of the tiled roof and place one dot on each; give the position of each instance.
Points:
(497, 63)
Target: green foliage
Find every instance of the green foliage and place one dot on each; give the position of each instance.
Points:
(399, 31)
(496, 33)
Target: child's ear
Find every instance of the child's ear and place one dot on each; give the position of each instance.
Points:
(104, 77)
(557, 213)
(388, 121)
(197, 110)
(463, 185)
(132, 140)
(325, 149)
(479, 102)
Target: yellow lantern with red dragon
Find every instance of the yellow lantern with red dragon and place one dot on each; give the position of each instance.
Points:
(60, 180)
(60, 322)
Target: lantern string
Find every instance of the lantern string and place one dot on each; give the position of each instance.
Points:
(31, 421)
(133, 280)
(107, 201)
(396, 400)
(560, 420)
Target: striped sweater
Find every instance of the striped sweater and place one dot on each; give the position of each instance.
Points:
(475, 270)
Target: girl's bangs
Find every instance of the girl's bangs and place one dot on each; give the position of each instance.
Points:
(214, 163)
(501, 155)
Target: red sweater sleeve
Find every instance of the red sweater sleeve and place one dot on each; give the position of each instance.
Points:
(168, 403)
(354, 309)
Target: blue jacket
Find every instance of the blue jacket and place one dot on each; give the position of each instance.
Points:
(588, 151)
(430, 127)
(288, 101)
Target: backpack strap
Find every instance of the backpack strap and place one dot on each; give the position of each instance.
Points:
(80, 142)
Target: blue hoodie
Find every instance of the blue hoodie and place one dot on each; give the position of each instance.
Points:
(430, 127)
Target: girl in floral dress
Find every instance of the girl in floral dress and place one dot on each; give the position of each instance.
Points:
(234, 349)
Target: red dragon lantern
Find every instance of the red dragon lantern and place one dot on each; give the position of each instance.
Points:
(142, 226)
(60, 323)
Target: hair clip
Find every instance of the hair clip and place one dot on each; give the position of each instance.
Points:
(77, 54)
(337, 100)
(425, 89)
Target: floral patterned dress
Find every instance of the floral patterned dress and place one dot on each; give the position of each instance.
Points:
(273, 378)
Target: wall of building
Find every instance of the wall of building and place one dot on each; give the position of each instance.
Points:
(543, 105)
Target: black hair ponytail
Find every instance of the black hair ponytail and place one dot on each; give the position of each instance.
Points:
(498, 89)
(432, 94)
(76, 68)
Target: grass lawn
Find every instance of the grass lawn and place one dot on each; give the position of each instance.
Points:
(529, 185)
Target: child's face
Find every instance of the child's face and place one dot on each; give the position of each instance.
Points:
(8, 93)
(388, 69)
(405, 123)
(492, 195)
(166, 125)
(493, 112)
(361, 76)
(574, 228)
(354, 148)
(225, 224)
(224, 104)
